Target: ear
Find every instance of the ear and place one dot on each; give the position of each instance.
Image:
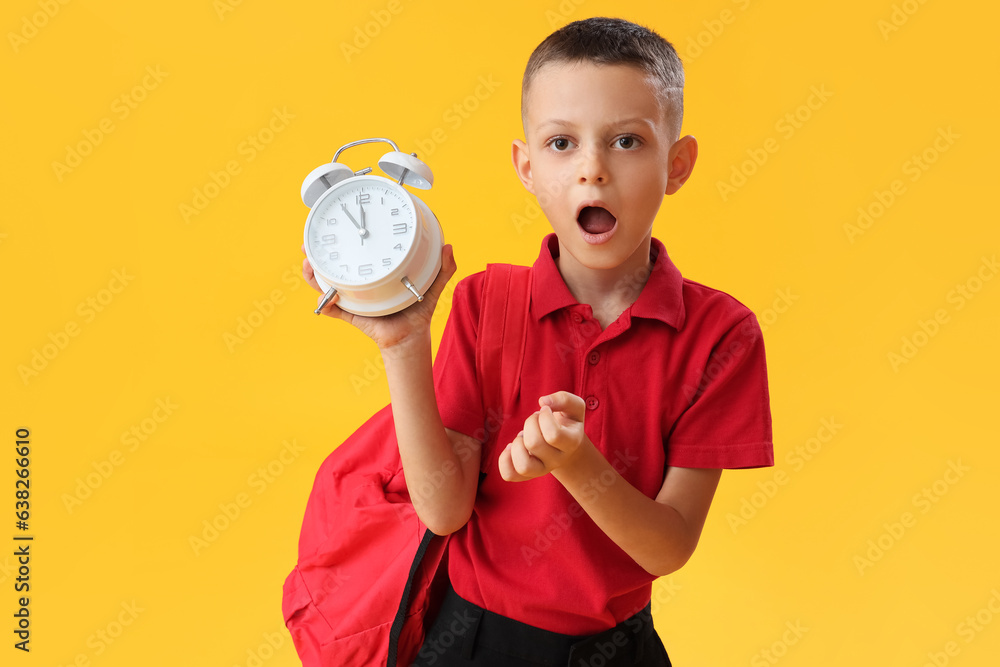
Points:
(522, 164)
(683, 155)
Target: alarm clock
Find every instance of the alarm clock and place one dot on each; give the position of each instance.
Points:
(367, 238)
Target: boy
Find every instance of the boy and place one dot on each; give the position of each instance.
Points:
(640, 386)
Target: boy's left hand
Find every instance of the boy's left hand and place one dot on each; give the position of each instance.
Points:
(551, 438)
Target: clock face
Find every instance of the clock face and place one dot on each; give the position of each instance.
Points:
(361, 231)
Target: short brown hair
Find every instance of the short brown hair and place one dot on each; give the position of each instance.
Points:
(613, 41)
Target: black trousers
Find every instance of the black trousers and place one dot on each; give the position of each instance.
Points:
(464, 634)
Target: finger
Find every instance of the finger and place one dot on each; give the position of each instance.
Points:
(310, 275)
(571, 405)
(448, 269)
(524, 463)
(506, 467)
(535, 442)
(549, 426)
(331, 308)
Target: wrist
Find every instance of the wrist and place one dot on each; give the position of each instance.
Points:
(414, 346)
(583, 465)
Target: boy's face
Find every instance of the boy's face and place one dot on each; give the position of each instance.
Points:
(600, 155)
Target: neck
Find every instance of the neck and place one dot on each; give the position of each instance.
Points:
(609, 291)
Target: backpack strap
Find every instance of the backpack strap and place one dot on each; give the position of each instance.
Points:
(503, 325)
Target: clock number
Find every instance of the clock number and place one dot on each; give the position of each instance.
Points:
(398, 246)
(364, 198)
(329, 239)
(331, 221)
(399, 228)
(334, 255)
(347, 269)
(395, 211)
(386, 261)
(365, 270)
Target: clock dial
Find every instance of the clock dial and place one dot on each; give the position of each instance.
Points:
(359, 233)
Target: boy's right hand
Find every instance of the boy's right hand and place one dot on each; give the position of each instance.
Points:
(392, 332)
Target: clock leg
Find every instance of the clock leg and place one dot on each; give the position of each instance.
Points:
(326, 299)
(410, 286)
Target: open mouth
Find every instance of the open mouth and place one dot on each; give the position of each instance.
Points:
(597, 223)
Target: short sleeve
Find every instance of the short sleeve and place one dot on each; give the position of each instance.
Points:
(456, 387)
(727, 423)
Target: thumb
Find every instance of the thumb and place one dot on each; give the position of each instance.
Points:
(448, 269)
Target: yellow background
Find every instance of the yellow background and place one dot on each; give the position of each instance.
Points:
(835, 303)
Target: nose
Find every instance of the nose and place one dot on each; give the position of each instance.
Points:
(591, 166)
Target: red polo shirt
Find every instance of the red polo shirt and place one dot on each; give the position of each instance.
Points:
(679, 379)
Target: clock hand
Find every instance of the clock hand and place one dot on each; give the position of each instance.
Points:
(361, 228)
(364, 230)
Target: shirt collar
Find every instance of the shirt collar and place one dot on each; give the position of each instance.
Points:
(661, 297)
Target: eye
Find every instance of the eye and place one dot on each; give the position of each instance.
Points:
(560, 144)
(628, 141)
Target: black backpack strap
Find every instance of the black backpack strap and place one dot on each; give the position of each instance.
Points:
(404, 604)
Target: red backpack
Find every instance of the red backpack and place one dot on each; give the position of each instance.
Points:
(370, 575)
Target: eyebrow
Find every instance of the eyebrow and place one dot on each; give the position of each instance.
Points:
(626, 121)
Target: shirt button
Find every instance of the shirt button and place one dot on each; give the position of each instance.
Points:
(594, 357)
(592, 403)
(577, 317)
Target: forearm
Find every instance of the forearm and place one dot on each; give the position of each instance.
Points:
(654, 534)
(434, 470)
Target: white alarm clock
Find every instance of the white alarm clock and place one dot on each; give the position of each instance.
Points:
(367, 238)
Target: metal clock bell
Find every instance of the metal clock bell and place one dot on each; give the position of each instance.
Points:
(367, 238)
